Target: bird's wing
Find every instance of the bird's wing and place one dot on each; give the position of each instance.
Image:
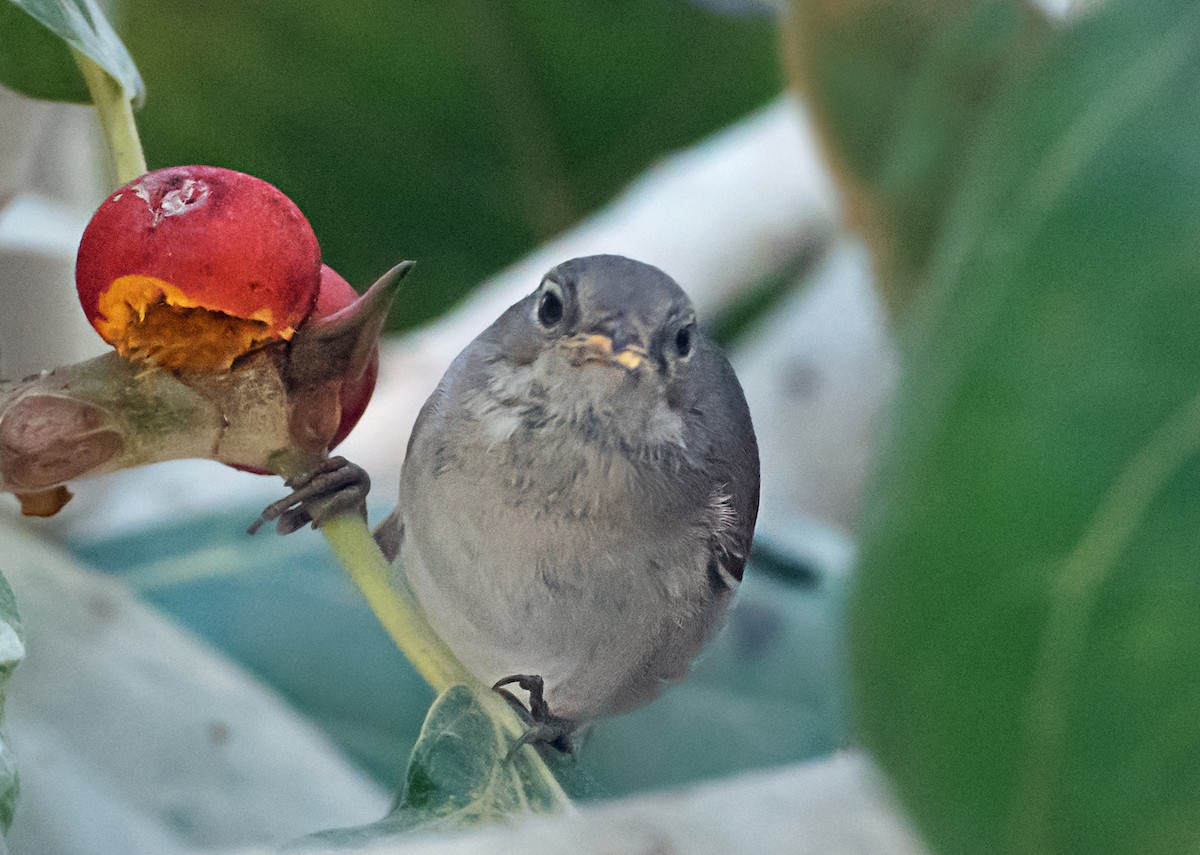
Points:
(732, 463)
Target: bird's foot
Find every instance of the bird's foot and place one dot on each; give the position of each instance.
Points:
(335, 487)
(544, 727)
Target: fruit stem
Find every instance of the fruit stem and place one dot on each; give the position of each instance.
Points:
(116, 119)
(392, 602)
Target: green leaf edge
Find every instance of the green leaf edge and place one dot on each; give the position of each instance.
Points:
(12, 652)
(64, 25)
(460, 720)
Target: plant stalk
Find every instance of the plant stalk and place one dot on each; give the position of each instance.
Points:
(392, 603)
(396, 608)
(116, 119)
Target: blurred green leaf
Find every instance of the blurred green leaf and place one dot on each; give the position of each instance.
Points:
(770, 688)
(12, 651)
(461, 134)
(284, 608)
(459, 777)
(34, 49)
(1024, 631)
(900, 89)
(36, 62)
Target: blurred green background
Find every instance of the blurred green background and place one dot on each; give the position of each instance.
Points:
(461, 134)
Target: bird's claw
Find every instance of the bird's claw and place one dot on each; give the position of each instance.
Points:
(544, 727)
(335, 487)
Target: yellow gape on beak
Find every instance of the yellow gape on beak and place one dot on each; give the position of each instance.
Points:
(594, 347)
(631, 357)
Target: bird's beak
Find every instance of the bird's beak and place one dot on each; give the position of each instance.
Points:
(594, 347)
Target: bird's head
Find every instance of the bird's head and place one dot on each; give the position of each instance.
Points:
(605, 343)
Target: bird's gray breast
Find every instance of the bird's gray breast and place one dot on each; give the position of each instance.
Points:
(543, 550)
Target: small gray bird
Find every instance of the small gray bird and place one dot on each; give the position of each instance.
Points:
(579, 494)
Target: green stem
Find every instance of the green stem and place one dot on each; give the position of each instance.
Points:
(116, 119)
(395, 607)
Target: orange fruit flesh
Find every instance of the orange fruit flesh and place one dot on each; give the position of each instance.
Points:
(151, 320)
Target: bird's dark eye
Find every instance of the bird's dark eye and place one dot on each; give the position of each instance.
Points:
(683, 341)
(550, 309)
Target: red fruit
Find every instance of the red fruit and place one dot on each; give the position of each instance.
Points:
(191, 267)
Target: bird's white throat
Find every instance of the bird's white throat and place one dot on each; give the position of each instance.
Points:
(601, 403)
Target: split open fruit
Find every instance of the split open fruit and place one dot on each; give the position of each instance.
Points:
(190, 267)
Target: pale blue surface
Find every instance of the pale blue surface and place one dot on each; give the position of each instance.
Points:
(769, 690)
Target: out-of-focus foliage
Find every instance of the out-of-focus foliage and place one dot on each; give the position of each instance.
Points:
(460, 134)
(769, 689)
(12, 651)
(900, 90)
(1024, 633)
(35, 41)
(283, 608)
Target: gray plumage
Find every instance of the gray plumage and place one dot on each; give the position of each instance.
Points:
(578, 511)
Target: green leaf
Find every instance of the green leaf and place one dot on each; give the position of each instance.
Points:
(1025, 632)
(613, 87)
(459, 775)
(12, 651)
(36, 62)
(35, 49)
(899, 89)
